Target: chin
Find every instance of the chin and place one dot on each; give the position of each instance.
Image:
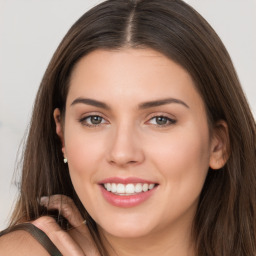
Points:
(127, 229)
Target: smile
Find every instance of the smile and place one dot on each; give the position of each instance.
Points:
(127, 192)
(128, 189)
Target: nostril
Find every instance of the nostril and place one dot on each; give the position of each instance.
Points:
(132, 162)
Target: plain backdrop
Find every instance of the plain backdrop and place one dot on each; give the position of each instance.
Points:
(30, 31)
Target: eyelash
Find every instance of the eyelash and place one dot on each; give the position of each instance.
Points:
(169, 121)
(83, 121)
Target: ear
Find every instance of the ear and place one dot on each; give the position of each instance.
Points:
(219, 145)
(59, 129)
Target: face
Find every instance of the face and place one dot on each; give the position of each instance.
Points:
(137, 141)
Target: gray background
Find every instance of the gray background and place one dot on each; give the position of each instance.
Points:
(30, 31)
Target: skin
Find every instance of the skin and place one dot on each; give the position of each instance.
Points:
(129, 142)
(76, 241)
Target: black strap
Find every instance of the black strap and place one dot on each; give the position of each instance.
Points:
(38, 234)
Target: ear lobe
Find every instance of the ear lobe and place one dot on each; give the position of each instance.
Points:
(219, 146)
(59, 130)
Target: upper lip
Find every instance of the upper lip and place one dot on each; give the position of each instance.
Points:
(126, 180)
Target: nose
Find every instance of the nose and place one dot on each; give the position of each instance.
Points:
(125, 148)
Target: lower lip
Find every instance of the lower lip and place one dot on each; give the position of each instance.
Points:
(126, 201)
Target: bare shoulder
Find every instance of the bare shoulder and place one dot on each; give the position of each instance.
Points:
(20, 243)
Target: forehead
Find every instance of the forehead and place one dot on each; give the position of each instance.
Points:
(140, 74)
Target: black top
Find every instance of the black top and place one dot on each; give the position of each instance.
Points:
(38, 234)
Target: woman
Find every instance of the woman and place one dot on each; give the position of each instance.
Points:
(143, 103)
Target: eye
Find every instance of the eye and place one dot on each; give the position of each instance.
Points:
(161, 121)
(93, 120)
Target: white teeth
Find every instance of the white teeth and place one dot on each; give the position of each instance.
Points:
(113, 188)
(138, 188)
(120, 189)
(151, 186)
(108, 187)
(128, 189)
(145, 187)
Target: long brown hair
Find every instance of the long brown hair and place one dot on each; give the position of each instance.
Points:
(225, 222)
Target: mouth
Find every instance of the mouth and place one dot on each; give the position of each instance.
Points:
(128, 189)
(127, 192)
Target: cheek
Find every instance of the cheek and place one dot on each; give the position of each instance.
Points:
(84, 151)
(183, 158)
(84, 154)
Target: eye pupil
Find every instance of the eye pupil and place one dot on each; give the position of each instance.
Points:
(161, 120)
(96, 119)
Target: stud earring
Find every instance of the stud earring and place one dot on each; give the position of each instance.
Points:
(65, 160)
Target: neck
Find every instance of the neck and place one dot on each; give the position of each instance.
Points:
(175, 240)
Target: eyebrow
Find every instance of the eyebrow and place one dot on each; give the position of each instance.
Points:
(144, 105)
(91, 102)
(156, 103)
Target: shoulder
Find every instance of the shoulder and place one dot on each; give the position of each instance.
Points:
(20, 243)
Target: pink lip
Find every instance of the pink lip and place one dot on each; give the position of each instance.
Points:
(126, 201)
(126, 180)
